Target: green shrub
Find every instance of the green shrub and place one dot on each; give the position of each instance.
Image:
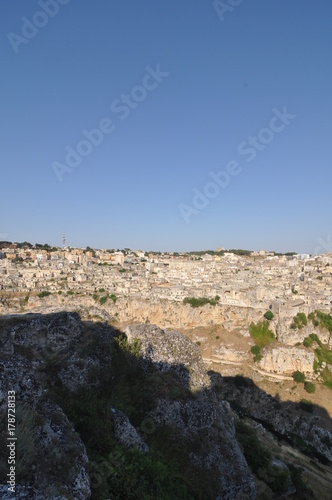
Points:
(255, 349)
(256, 455)
(101, 290)
(70, 292)
(45, 293)
(114, 298)
(309, 387)
(300, 320)
(201, 301)
(327, 377)
(102, 300)
(315, 338)
(135, 347)
(323, 353)
(261, 334)
(268, 315)
(307, 342)
(303, 318)
(325, 320)
(298, 376)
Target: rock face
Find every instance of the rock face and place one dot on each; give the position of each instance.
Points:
(291, 337)
(44, 358)
(172, 314)
(287, 360)
(126, 433)
(170, 351)
(206, 419)
(285, 419)
(210, 421)
(50, 453)
(159, 311)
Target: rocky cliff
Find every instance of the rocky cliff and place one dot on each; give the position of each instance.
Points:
(162, 312)
(284, 359)
(100, 416)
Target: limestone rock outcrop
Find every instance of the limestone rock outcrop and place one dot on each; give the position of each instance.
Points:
(126, 433)
(288, 336)
(170, 350)
(287, 360)
(53, 359)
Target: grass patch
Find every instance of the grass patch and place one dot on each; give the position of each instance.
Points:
(259, 458)
(256, 351)
(261, 334)
(201, 301)
(302, 490)
(321, 319)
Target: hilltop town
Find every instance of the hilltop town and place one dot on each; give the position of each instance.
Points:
(241, 279)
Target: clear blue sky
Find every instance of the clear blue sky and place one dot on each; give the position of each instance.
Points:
(225, 78)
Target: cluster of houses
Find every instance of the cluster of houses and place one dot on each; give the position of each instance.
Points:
(238, 280)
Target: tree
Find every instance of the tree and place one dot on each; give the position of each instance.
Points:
(310, 387)
(268, 315)
(298, 376)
